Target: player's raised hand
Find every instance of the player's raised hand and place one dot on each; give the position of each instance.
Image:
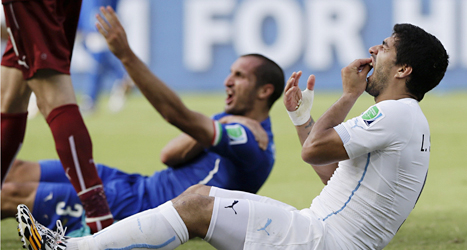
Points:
(110, 28)
(292, 93)
(298, 103)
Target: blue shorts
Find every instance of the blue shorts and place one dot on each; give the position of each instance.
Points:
(56, 199)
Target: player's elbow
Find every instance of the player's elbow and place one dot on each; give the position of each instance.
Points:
(313, 154)
(310, 156)
(167, 157)
(164, 157)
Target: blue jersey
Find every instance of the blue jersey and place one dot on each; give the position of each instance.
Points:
(234, 162)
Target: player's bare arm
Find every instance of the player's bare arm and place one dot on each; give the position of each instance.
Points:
(162, 98)
(323, 145)
(293, 98)
(180, 150)
(184, 148)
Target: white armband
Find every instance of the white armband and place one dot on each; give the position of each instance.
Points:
(301, 115)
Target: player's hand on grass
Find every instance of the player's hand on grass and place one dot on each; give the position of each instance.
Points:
(299, 103)
(110, 28)
(255, 127)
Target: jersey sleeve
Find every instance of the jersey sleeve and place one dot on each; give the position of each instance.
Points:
(383, 125)
(236, 142)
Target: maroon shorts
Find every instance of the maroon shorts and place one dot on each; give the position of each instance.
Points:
(42, 34)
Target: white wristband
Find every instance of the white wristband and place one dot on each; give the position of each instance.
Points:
(302, 114)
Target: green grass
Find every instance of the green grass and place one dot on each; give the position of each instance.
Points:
(132, 139)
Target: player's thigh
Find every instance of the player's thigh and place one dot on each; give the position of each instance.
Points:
(42, 35)
(52, 89)
(270, 227)
(224, 193)
(15, 92)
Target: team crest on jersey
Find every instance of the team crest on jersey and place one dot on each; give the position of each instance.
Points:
(372, 115)
(237, 134)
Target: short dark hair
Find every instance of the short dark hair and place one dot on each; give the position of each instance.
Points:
(269, 72)
(424, 53)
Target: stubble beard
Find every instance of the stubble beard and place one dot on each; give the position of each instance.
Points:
(377, 84)
(241, 109)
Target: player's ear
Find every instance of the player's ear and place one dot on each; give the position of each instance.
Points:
(404, 71)
(265, 91)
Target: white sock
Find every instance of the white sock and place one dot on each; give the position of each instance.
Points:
(160, 228)
(72, 243)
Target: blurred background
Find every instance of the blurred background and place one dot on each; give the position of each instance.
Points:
(190, 44)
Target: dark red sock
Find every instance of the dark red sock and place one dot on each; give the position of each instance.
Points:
(13, 129)
(74, 146)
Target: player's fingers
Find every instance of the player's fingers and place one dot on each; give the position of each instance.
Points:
(107, 15)
(297, 78)
(360, 63)
(292, 98)
(262, 138)
(101, 30)
(103, 23)
(290, 82)
(366, 67)
(112, 17)
(263, 144)
(310, 84)
(290, 91)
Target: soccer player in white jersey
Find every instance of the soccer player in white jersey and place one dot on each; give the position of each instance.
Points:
(374, 167)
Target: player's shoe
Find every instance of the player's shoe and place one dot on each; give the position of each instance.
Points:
(36, 236)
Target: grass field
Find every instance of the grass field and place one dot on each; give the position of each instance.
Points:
(132, 139)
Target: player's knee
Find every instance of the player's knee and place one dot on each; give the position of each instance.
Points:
(198, 189)
(193, 201)
(195, 210)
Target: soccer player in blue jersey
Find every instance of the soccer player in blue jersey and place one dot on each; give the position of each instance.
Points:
(218, 151)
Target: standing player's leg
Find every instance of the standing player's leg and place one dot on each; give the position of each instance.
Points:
(56, 101)
(46, 64)
(14, 105)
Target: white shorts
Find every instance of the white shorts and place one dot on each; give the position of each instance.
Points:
(273, 227)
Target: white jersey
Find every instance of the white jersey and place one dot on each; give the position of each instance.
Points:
(371, 194)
